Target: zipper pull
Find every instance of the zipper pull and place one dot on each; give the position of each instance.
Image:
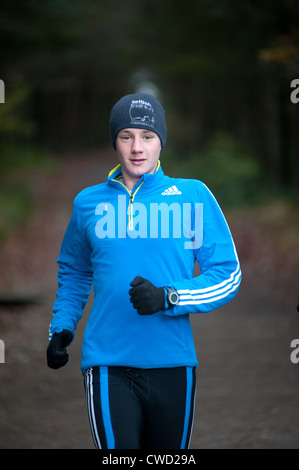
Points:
(131, 212)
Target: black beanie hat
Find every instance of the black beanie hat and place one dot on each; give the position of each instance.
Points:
(139, 111)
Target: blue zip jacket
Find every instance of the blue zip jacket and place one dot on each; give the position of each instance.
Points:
(157, 231)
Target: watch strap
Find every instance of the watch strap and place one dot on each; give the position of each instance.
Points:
(169, 290)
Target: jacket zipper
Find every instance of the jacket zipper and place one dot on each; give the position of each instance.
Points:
(131, 202)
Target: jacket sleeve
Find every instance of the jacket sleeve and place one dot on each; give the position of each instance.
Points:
(74, 276)
(217, 257)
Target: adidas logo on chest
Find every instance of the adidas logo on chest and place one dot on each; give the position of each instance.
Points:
(172, 191)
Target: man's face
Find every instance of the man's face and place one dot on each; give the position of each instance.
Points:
(138, 152)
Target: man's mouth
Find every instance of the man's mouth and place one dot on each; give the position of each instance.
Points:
(137, 161)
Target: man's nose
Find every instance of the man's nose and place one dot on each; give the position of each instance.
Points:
(136, 145)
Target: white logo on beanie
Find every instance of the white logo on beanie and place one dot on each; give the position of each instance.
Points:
(142, 113)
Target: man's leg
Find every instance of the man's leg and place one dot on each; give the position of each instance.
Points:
(170, 408)
(114, 411)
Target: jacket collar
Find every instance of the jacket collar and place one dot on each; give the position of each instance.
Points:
(151, 179)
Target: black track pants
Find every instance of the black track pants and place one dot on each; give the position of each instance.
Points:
(132, 408)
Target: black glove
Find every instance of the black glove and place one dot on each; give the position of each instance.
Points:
(56, 352)
(145, 297)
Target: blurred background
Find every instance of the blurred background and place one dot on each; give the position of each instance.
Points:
(223, 70)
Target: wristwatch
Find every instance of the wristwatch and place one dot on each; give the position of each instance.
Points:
(172, 297)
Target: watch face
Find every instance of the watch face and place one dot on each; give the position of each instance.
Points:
(173, 298)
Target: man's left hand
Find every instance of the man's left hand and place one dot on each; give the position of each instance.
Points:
(145, 297)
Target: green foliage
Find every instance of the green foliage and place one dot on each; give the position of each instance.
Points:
(14, 123)
(227, 167)
(15, 206)
(16, 129)
(17, 155)
(17, 132)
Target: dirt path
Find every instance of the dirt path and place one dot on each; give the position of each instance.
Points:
(247, 386)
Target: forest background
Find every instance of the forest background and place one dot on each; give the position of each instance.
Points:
(224, 71)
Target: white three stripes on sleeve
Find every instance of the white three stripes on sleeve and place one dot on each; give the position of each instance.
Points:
(211, 293)
(215, 292)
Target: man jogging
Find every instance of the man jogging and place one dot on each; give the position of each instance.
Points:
(136, 238)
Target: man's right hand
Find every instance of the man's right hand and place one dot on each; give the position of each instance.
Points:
(56, 353)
